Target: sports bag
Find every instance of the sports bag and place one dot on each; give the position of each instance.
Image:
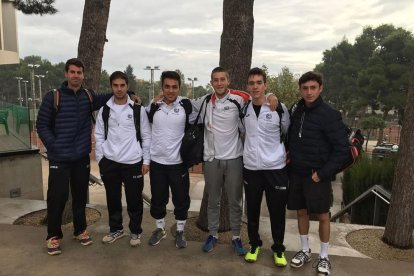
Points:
(192, 144)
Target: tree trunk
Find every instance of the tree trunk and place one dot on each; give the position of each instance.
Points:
(224, 222)
(400, 220)
(92, 39)
(237, 40)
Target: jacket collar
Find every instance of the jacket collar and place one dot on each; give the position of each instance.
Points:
(317, 103)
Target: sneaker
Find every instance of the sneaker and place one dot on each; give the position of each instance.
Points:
(300, 258)
(180, 241)
(84, 238)
(322, 266)
(252, 255)
(53, 246)
(238, 247)
(209, 244)
(113, 236)
(157, 236)
(280, 259)
(135, 240)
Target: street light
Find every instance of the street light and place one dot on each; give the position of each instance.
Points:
(32, 68)
(152, 80)
(20, 99)
(40, 86)
(32, 74)
(25, 90)
(192, 84)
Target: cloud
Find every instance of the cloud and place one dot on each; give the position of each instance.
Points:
(186, 34)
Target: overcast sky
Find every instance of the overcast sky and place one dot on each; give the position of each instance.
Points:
(185, 34)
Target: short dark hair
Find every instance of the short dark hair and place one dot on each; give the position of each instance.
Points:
(74, 61)
(170, 75)
(219, 70)
(309, 76)
(257, 71)
(118, 75)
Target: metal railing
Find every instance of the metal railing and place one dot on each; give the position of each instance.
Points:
(379, 192)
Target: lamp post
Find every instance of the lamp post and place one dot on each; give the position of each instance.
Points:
(192, 85)
(32, 74)
(40, 77)
(152, 80)
(25, 90)
(20, 99)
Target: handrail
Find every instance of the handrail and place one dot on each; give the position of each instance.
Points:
(377, 190)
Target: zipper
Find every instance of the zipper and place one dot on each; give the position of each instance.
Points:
(301, 124)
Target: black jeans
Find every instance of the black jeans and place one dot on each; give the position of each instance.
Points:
(275, 185)
(162, 177)
(61, 175)
(113, 175)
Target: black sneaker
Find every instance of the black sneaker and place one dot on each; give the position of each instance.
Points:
(322, 266)
(180, 241)
(157, 236)
(300, 258)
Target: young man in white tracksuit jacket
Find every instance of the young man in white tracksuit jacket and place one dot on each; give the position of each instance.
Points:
(264, 159)
(123, 159)
(168, 121)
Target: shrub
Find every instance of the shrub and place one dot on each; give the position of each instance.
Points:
(365, 174)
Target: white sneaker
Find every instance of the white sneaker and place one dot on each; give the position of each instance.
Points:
(113, 236)
(135, 240)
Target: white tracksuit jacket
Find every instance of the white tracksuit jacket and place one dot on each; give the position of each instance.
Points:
(262, 147)
(121, 144)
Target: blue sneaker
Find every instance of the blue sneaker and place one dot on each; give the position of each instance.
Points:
(238, 247)
(210, 243)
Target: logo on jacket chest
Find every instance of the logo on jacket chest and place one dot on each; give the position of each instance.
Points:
(176, 110)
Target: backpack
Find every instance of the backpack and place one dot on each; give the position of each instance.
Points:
(56, 102)
(137, 120)
(356, 141)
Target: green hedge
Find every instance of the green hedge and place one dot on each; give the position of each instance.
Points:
(362, 176)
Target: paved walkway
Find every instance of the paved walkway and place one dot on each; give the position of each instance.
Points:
(23, 252)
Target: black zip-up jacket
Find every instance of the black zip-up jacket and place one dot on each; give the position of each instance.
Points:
(318, 140)
(66, 134)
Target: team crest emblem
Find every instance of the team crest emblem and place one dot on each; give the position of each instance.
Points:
(226, 108)
(129, 116)
(268, 116)
(176, 110)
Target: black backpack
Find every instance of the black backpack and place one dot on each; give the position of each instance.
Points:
(137, 120)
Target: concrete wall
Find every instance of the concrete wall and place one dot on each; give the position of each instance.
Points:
(24, 172)
(9, 53)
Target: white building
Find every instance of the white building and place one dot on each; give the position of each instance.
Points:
(9, 52)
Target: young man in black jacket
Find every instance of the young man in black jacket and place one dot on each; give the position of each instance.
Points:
(318, 147)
